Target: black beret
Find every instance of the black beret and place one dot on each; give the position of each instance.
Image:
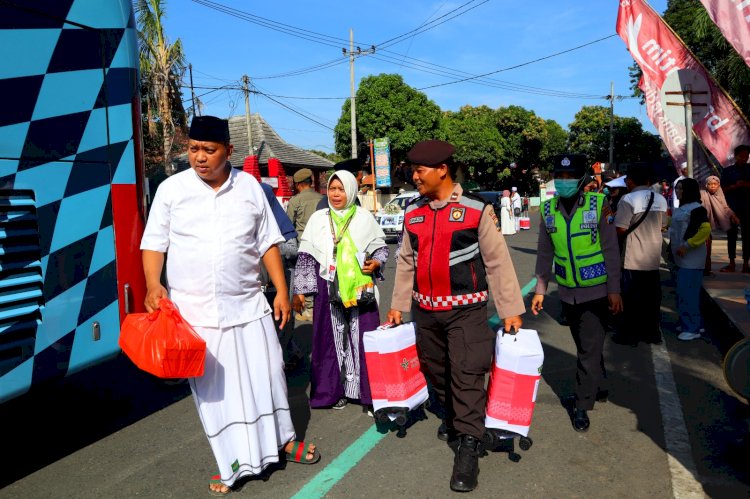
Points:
(577, 164)
(209, 129)
(430, 152)
(353, 165)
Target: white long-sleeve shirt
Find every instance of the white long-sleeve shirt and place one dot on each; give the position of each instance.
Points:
(214, 242)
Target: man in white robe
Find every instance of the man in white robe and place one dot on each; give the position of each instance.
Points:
(216, 225)
(517, 207)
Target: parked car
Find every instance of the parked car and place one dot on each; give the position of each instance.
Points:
(391, 216)
(493, 198)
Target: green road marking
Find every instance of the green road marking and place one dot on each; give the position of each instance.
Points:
(340, 466)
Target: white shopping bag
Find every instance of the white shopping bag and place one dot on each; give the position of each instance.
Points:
(514, 381)
(396, 380)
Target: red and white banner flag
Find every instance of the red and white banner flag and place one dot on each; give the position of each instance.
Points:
(733, 19)
(660, 53)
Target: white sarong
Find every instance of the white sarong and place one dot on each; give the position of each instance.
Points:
(242, 397)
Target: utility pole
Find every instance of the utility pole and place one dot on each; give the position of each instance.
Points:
(611, 124)
(688, 104)
(192, 90)
(689, 129)
(246, 90)
(352, 54)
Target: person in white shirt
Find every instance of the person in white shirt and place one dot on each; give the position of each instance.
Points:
(683, 174)
(216, 225)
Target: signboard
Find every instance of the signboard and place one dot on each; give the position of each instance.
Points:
(272, 181)
(382, 151)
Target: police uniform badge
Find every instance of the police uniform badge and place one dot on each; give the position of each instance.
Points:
(607, 214)
(457, 214)
(549, 223)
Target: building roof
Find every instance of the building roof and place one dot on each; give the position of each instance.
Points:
(271, 145)
(268, 143)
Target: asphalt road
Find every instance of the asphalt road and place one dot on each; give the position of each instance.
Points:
(672, 428)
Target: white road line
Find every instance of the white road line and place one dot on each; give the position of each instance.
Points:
(679, 455)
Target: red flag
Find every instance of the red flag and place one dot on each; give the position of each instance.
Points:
(660, 53)
(733, 19)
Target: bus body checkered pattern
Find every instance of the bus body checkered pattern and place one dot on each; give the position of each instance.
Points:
(67, 86)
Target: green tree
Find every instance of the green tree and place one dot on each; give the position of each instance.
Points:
(524, 132)
(479, 145)
(387, 107)
(331, 156)
(556, 143)
(589, 135)
(162, 65)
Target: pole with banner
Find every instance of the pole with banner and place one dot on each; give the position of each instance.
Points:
(372, 173)
(662, 56)
(382, 162)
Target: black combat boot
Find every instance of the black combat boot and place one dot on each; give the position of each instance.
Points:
(466, 464)
(445, 432)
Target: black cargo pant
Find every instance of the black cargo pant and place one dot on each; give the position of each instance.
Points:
(455, 351)
(586, 321)
(641, 299)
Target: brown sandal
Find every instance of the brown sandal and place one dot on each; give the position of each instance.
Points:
(728, 268)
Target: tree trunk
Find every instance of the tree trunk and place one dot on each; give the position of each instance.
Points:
(167, 127)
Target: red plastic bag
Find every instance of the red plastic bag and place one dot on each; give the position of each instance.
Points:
(162, 343)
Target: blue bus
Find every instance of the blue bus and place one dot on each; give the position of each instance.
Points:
(71, 186)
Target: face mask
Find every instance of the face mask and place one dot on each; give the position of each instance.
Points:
(605, 191)
(566, 187)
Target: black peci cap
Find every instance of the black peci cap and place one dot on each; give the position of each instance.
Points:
(576, 164)
(430, 152)
(209, 129)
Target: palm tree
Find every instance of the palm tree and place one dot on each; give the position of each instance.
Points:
(162, 66)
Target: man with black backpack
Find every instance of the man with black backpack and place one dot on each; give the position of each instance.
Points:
(640, 220)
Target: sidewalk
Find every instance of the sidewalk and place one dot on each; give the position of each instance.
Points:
(727, 290)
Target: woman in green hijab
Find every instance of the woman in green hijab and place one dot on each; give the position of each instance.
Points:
(340, 256)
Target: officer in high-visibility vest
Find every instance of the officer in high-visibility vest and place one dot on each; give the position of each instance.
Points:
(578, 241)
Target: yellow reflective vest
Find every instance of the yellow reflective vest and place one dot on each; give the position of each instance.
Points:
(578, 260)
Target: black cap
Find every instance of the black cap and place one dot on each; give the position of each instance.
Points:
(430, 152)
(353, 165)
(576, 164)
(209, 129)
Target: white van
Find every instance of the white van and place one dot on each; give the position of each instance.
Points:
(391, 216)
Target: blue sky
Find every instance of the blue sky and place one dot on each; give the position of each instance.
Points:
(492, 35)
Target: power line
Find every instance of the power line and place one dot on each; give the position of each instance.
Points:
(301, 71)
(491, 82)
(296, 111)
(519, 65)
(288, 29)
(261, 91)
(429, 25)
